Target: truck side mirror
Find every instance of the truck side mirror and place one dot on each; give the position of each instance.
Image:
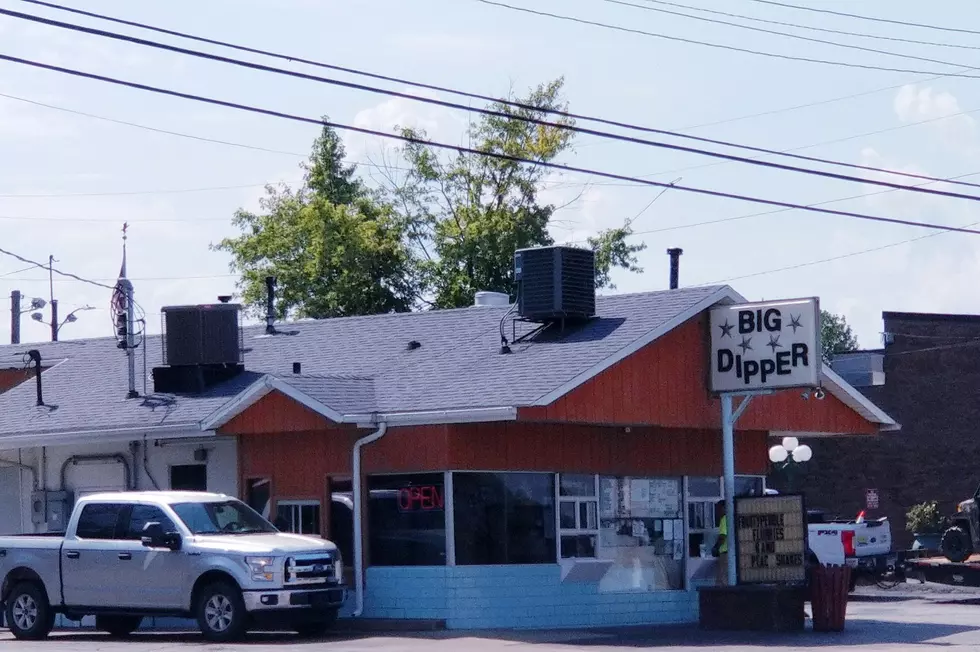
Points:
(155, 537)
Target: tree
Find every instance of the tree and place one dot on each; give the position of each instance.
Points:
(335, 249)
(467, 214)
(835, 335)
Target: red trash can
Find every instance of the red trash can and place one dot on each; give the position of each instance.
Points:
(830, 586)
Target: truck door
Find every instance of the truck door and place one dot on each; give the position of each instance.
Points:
(89, 558)
(150, 578)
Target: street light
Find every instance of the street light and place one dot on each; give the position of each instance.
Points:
(71, 318)
(788, 456)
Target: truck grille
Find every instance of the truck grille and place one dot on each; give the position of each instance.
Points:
(310, 569)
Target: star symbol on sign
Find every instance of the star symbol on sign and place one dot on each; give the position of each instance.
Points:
(774, 342)
(746, 344)
(794, 322)
(726, 329)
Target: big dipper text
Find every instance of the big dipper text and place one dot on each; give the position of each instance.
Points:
(780, 363)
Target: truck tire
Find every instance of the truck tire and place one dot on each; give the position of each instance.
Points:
(316, 627)
(956, 545)
(221, 613)
(29, 614)
(118, 626)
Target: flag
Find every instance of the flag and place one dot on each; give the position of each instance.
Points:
(119, 298)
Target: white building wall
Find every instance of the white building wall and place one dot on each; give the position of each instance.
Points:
(108, 475)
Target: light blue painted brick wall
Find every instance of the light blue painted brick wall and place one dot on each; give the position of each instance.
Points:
(484, 597)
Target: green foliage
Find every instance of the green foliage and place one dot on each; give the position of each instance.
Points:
(469, 213)
(835, 335)
(335, 249)
(446, 229)
(925, 518)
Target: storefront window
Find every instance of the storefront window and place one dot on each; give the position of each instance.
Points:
(578, 516)
(642, 533)
(407, 520)
(504, 518)
(298, 516)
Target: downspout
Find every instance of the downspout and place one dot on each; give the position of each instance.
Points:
(358, 521)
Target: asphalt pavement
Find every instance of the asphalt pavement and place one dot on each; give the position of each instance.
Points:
(919, 624)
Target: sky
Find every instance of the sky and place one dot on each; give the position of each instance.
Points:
(68, 181)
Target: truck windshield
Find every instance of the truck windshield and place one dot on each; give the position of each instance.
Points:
(228, 517)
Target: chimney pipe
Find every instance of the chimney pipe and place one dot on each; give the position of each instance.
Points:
(35, 357)
(15, 317)
(270, 305)
(675, 261)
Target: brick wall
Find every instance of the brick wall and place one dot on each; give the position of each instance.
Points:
(932, 388)
(515, 597)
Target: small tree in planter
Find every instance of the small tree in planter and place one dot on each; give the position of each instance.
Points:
(927, 524)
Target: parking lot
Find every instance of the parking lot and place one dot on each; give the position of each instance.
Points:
(949, 622)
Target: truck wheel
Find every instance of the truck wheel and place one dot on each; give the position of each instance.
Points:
(318, 626)
(29, 615)
(221, 612)
(118, 626)
(956, 545)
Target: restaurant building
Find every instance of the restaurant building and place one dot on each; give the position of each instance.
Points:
(510, 472)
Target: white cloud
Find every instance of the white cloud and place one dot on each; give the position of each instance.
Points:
(916, 104)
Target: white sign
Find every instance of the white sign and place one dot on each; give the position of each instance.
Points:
(769, 345)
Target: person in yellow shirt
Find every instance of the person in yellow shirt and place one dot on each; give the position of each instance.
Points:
(720, 549)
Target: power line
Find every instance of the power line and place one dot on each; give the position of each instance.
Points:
(799, 37)
(127, 192)
(812, 27)
(476, 152)
(721, 46)
(869, 18)
(407, 82)
(55, 270)
(529, 119)
(26, 269)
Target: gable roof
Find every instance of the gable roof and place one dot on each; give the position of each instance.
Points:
(353, 368)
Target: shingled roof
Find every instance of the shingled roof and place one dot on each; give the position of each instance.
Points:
(349, 367)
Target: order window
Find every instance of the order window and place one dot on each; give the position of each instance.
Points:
(578, 515)
(298, 516)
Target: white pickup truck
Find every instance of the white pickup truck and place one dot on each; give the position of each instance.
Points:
(865, 546)
(207, 556)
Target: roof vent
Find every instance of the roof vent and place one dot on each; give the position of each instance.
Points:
(494, 299)
(555, 283)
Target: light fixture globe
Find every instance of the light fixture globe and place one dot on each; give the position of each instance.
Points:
(802, 454)
(778, 454)
(790, 444)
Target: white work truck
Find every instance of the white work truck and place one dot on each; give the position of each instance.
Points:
(207, 556)
(865, 546)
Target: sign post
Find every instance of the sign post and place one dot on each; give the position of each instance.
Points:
(757, 348)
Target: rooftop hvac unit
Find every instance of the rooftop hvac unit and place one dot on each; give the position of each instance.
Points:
(555, 283)
(202, 335)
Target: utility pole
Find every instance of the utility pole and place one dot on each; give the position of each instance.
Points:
(15, 317)
(54, 302)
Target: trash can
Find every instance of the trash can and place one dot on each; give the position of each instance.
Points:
(829, 589)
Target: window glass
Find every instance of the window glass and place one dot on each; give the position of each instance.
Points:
(578, 509)
(571, 484)
(704, 487)
(98, 521)
(407, 520)
(143, 514)
(189, 477)
(298, 517)
(229, 517)
(642, 533)
(749, 485)
(505, 518)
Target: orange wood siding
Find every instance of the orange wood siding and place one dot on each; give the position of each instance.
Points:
(592, 449)
(10, 378)
(665, 384)
(275, 413)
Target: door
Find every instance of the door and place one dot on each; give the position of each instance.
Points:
(150, 578)
(341, 522)
(90, 559)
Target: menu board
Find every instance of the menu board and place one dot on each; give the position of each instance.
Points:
(640, 497)
(771, 539)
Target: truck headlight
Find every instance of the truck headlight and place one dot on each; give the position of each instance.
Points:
(262, 568)
(338, 569)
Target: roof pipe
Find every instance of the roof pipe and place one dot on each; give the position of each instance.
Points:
(358, 520)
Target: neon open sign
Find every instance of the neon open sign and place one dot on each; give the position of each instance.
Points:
(426, 498)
